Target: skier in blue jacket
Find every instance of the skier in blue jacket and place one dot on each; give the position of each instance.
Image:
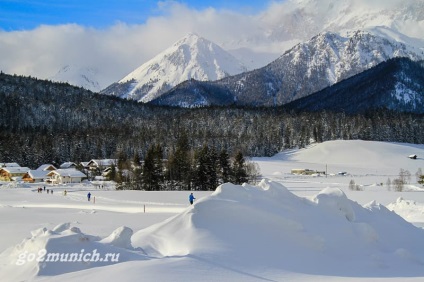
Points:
(191, 198)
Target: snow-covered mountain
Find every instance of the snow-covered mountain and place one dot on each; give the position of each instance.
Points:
(305, 69)
(86, 77)
(192, 57)
(299, 20)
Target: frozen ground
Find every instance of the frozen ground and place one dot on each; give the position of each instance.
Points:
(287, 228)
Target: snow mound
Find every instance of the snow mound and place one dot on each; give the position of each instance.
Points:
(408, 209)
(268, 226)
(62, 227)
(63, 249)
(335, 200)
(121, 237)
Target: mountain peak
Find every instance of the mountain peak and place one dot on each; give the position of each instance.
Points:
(190, 37)
(191, 57)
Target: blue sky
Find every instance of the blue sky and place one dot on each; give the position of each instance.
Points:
(29, 14)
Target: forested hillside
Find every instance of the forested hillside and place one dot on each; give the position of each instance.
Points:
(44, 122)
(396, 84)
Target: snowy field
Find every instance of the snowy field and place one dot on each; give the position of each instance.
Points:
(287, 228)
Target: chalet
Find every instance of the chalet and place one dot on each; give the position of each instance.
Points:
(84, 164)
(68, 165)
(35, 176)
(69, 175)
(47, 167)
(101, 164)
(12, 173)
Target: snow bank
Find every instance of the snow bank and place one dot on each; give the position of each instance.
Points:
(267, 226)
(64, 249)
(121, 237)
(408, 209)
(335, 200)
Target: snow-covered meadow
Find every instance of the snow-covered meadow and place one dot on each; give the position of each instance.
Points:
(286, 228)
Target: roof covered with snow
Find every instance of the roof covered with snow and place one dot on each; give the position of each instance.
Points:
(16, 169)
(70, 172)
(47, 167)
(37, 174)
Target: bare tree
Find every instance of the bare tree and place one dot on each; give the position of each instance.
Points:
(404, 176)
(253, 172)
(418, 174)
(389, 184)
(352, 185)
(398, 184)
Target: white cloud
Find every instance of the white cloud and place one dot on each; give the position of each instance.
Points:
(117, 50)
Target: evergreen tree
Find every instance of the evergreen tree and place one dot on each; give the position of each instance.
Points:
(224, 167)
(179, 166)
(200, 176)
(158, 171)
(421, 180)
(112, 173)
(205, 169)
(152, 169)
(239, 169)
(212, 169)
(136, 172)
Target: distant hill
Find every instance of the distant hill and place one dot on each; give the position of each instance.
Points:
(397, 85)
(85, 77)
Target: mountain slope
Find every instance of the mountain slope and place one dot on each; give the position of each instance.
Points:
(397, 84)
(192, 57)
(84, 77)
(305, 69)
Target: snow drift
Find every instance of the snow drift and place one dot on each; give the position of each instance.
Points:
(64, 249)
(269, 227)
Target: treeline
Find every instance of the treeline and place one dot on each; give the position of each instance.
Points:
(201, 169)
(44, 122)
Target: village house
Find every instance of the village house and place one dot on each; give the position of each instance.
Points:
(101, 164)
(12, 173)
(68, 165)
(47, 167)
(84, 164)
(62, 176)
(35, 176)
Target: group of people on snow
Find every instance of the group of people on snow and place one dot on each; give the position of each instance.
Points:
(40, 190)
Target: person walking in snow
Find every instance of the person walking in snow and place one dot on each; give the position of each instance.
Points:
(88, 196)
(191, 198)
